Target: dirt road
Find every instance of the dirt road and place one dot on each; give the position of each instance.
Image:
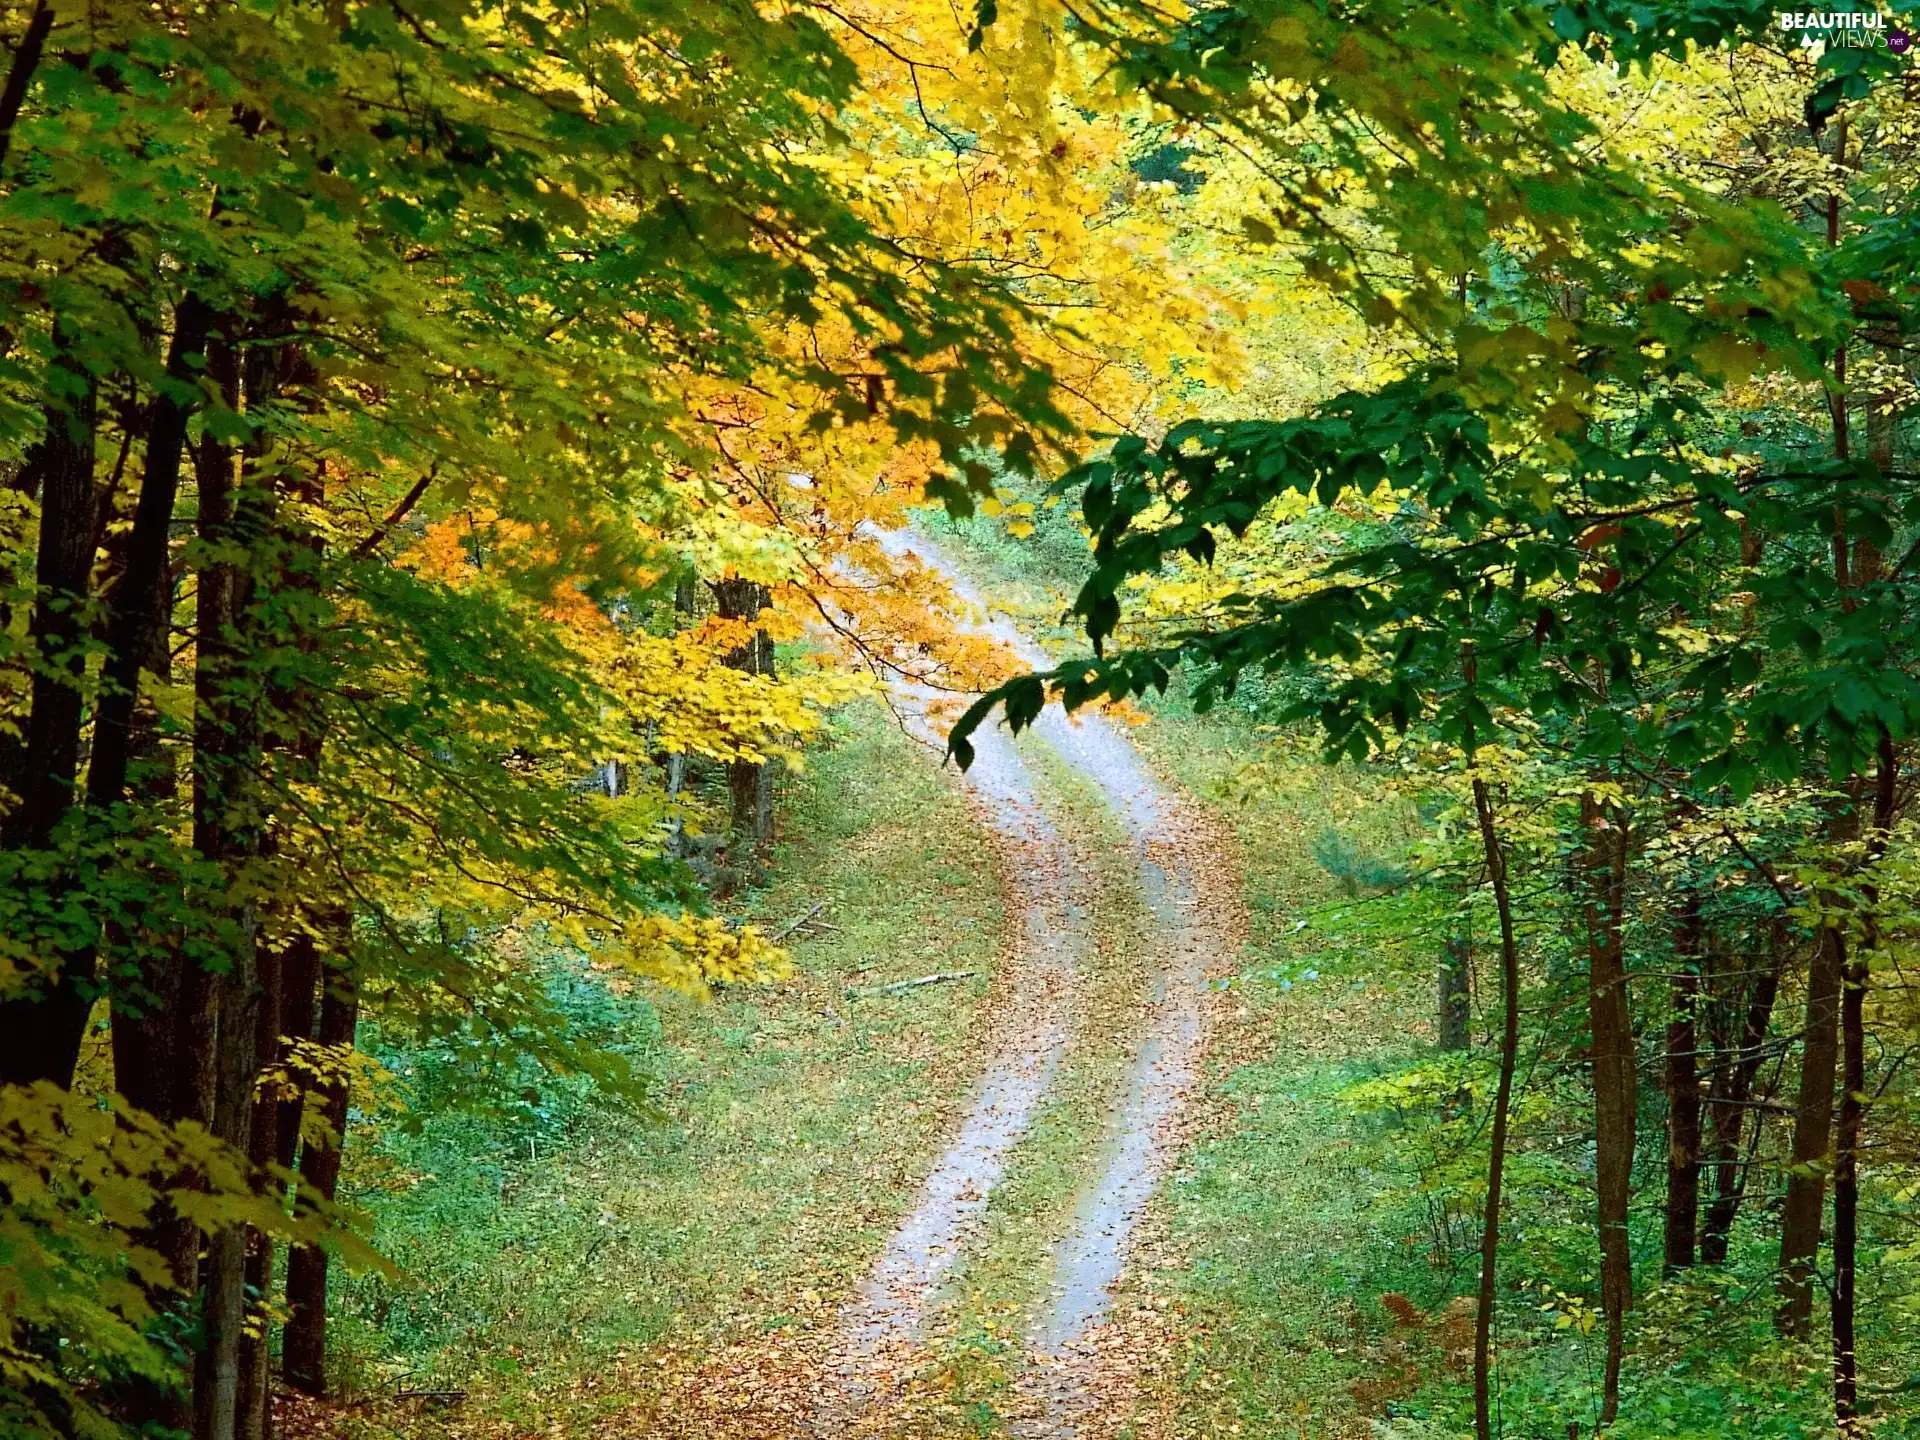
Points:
(890, 1312)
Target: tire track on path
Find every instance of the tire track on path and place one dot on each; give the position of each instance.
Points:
(880, 1329)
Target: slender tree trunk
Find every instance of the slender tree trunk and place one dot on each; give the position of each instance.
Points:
(1683, 1092)
(1728, 1105)
(263, 1147)
(151, 1037)
(304, 1342)
(1503, 1091)
(1867, 569)
(750, 783)
(1813, 1118)
(1812, 1132)
(1853, 1115)
(1615, 1092)
(40, 1032)
(1456, 963)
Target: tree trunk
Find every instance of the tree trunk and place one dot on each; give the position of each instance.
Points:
(1867, 569)
(304, 1342)
(263, 1147)
(1813, 1115)
(142, 602)
(1727, 1102)
(228, 830)
(1853, 1115)
(1812, 1133)
(26, 59)
(1456, 962)
(1683, 1093)
(1614, 1084)
(749, 783)
(1846, 1194)
(40, 1032)
(1503, 1091)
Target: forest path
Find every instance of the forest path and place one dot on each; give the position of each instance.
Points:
(1066, 1385)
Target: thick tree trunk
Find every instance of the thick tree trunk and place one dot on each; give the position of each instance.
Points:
(1456, 962)
(1614, 1084)
(26, 59)
(1683, 1092)
(142, 602)
(304, 1342)
(41, 1031)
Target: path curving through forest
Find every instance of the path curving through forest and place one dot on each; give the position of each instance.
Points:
(890, 1311)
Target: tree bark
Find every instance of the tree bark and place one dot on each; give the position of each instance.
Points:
(1683, 1093)
(26, 60)
(236, 519)
(1615, 1093)
(1853, 1115)
(304, 1342)
(41, 1032)
(749, 783)
(1727, 1102)
(263, 1146)
(142, 602)
(1503, 1091)
(1812, 1133)
(1456, 961)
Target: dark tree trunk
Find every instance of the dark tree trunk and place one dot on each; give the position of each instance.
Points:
(143, 600)
(1853, 1115)
(749, 783)
(304, 1342)
(1846, 1193)
(1732, 1089)
(41, 1031)
(1801, 1212)
(26, 59)
(1812, 1133)
(1683, 1092)
(263, 1147)
(236, 516)
(1503, 1091)
(1614, 1083)
(1454, 970)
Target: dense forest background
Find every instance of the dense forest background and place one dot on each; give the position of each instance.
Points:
(507, 508)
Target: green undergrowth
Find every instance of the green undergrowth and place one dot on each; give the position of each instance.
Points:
(544, 1250)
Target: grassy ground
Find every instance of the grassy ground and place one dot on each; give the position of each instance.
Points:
(1273, 1247)
(561, 1258)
